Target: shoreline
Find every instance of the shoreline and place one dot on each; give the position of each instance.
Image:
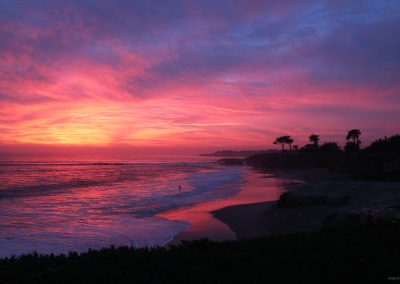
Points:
(323, 200)
(245, 219)
(257, 188)
(263, 218)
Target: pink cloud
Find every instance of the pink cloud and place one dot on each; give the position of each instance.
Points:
(79, 76)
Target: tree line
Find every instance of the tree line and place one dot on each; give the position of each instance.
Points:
(353, 143)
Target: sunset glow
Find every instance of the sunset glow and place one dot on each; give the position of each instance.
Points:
(197, 74)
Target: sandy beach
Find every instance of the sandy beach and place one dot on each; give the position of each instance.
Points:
(253, 211)
(292, 201)
(257, 188)
(246, 219)
(324, 199)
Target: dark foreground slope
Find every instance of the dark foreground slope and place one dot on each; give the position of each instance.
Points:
(364, 254)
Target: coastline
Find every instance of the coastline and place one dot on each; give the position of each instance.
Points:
(264, 218)
(257, 188)
(286, 253)
(245, 219)
(243, 216)
(323, 200)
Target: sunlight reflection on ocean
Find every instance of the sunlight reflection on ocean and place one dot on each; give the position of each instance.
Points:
(62, 204)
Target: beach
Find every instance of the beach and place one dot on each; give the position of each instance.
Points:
(323, 199)
(257, 187)
(253, 212)
(246, 240)
(308, 200)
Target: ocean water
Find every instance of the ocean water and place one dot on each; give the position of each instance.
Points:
(63, 203)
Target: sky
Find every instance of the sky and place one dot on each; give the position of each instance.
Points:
(196, 74)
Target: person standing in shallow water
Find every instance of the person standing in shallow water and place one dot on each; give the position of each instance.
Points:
(179, 188)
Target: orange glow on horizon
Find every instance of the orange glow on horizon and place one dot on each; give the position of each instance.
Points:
(227, 83)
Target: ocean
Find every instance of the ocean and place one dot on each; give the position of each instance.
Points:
(56, 204)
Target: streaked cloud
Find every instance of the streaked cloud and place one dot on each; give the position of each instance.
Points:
(190, 73)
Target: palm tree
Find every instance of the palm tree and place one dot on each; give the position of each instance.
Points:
(282, 140)
(314, 138)
(354, 145)
(354, 135)
(289, 141)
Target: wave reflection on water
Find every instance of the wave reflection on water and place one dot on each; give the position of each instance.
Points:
(58, 207)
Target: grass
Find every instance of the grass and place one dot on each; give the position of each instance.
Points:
(366, 254)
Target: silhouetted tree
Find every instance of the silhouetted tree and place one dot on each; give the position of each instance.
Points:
(314, 138)
(282, 140)
(308, 148)
(385, 145)
(351, 147)
(295, 147)
(329, 147)
(289, 141)
(354, 135)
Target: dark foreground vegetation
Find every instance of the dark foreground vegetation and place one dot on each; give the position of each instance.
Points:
(363, 255)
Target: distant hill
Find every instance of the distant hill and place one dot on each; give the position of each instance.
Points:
(232, 154)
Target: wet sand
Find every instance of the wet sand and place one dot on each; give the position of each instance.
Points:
(264, 218)
(256, 188)
(245, 219)
(326, 199)
(254, 211)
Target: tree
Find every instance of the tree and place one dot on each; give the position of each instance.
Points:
(314, 138)
(351, 147)
(329, 147)
(354, 135)
(354, 144)
(289, 141)
(282, 140)
(385, 145)
(308, 148)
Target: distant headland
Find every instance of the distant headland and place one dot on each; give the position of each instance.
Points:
(237, 154)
